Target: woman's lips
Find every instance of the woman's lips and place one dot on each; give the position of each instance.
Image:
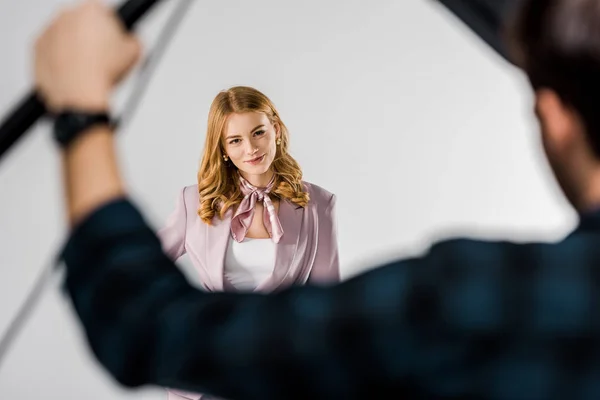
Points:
(256, 160)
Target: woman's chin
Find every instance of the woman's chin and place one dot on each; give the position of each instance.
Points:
(256, 171)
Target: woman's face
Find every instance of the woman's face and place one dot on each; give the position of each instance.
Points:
(249, 140)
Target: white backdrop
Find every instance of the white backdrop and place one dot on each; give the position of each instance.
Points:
(418, 127)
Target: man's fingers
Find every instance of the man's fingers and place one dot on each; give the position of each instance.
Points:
(136, 47)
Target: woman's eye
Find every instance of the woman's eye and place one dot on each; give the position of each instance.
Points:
(258, 133)
(234, 141)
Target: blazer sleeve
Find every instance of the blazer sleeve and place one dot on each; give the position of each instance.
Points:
(326, 266)
(470, 319)
(172, 233)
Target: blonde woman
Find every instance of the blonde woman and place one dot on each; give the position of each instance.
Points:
(251, 223)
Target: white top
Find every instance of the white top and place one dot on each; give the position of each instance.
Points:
(250, 263)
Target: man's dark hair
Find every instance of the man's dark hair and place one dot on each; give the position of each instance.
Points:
(557, 43)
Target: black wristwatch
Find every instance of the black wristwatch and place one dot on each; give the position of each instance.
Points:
(70, 123)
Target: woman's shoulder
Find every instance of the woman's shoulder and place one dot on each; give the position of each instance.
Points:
(317, 193)
(190, 195)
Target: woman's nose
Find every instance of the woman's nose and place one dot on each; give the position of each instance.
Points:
(250, 148)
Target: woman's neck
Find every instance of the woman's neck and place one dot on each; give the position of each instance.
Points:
(260, 181)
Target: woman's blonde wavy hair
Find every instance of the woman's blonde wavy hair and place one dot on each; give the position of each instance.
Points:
(218, 182)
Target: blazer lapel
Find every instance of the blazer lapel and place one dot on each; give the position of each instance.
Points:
(290, 216)
(217, 238)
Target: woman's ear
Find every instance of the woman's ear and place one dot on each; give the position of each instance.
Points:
(277, 130)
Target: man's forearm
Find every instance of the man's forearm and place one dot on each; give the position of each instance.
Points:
(91, 173)
(79, 59)
(147, 324)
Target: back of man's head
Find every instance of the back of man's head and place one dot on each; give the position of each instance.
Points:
(557, 43)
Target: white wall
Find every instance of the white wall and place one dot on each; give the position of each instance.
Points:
(393, 105)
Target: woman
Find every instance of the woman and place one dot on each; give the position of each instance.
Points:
(251, 223)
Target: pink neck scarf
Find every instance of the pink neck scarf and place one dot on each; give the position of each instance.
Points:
(240, 223)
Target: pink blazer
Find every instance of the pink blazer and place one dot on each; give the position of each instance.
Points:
(307, 252)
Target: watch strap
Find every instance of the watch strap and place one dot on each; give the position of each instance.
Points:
(69, 124)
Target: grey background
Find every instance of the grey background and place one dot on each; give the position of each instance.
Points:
(395, 106)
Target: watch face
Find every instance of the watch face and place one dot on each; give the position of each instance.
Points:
(61, 128)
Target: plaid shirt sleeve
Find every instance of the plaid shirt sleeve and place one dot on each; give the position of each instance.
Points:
(469, 320)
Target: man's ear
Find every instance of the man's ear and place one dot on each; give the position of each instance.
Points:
(559, 122)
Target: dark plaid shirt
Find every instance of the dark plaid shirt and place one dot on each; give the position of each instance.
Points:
(469, 320)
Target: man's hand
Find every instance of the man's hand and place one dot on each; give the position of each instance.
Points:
(81, 56)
